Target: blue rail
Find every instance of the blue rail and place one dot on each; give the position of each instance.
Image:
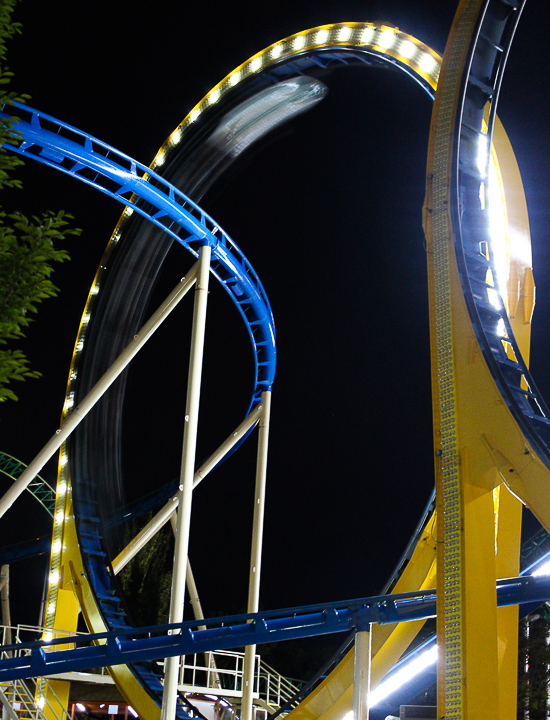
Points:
(85, 158)
(132, 645)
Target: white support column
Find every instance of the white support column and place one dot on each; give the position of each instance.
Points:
(100, 388)
(168, 512)
(361, 675)
(256, 552)
(5, 602)
(169, 698)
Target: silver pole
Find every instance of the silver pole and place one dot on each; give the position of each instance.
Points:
(171, 667)
(80, 411)
(361, 675)
(167, 511)
(256, 552)
(199, 615)
(5, 601)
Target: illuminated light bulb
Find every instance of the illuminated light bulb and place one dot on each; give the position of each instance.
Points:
(79, 345)
(501, 328)
(62, 487)
(132, 711)
(69, 402)
(367, 34)
(214, 96)
(40, 701)
(344, 34)
(321, 37)
(81, 707)
(403, 675)
(256, 64)
(159, 160)
(59, 517)
(56, 547)
(175, 137)
(234, 79)
(94, 290)
(427, 63)
(63, 460)
(386, 40)
(54, 576)
(51, 608)
(276, 50)
(194, 114)
(407, 48)
(128, 211)
(299, 42)
(86, 317)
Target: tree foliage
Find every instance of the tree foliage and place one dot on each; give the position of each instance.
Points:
(28, 246)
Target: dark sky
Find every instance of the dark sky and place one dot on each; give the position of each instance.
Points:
(329, 214)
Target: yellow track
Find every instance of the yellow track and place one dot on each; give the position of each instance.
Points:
(488, 447)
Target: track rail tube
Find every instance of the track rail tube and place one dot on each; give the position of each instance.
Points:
(256, 551)
(168, 510)
(99, 389)
(172, 664)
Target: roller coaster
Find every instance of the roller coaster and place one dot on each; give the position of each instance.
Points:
(491, 425)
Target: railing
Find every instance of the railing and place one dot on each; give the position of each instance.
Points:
(29, 698)
(19, 634)
(220, 672)
(275, 689)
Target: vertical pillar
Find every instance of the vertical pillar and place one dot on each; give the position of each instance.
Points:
(256, 552)
(361, 674)
(169, 698)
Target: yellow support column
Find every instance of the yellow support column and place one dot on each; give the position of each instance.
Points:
(508, 513)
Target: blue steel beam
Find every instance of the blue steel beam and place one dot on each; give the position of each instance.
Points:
(139, 644)
(95, 163)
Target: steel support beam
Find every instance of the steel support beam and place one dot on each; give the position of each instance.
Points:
(172, 664)
(100, 388)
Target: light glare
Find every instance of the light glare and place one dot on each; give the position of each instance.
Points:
(542, 570)
(366, 35)
(344, 34)
(299, 42)
(407, 49)
(406, 673)
(321, 37)
(427, 63)
(387, 39)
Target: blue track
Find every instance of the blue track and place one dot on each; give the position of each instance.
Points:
(85, 158)
(153, 197)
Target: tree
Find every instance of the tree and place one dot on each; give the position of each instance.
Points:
(27, 245)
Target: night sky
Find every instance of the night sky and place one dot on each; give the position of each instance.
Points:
(329, 214)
